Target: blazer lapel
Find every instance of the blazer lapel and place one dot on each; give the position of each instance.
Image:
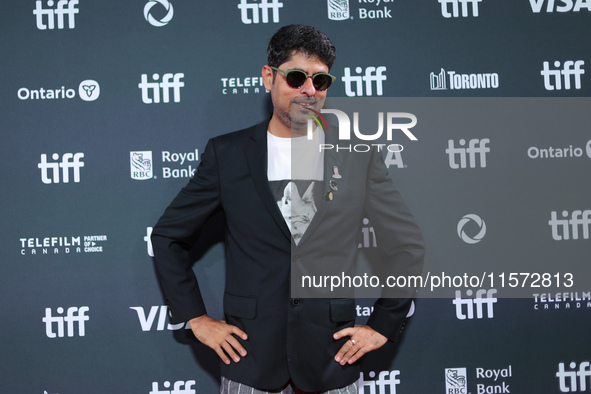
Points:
(332, 161)
(256, 156)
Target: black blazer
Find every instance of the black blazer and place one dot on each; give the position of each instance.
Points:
(289, 338)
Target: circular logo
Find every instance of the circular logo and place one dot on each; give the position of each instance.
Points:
(589, 148)
(89, 90)
(153, 21)
(479, 222)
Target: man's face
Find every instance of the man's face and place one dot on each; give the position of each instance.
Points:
(302, 98)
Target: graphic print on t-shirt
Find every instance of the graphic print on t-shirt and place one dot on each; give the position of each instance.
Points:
(297, 209)
(296, 185)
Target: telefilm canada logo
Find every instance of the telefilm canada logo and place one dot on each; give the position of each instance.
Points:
(565, 300)
(30, 246)
(88, 90)
(243, 85)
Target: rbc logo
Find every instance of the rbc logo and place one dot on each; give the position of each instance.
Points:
(141, 165)
(456, 381)
(265, 6)
(59, 12)
(338, 10)
(372, 74)
(65, 165)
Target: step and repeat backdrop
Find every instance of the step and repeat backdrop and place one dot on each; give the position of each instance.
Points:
(107, 105)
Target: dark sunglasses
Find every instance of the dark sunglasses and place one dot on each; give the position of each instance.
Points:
(297, 78)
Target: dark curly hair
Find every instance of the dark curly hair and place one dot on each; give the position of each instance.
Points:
(301, 38)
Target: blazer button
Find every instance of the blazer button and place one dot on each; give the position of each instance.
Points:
(295, 301)
(296, 257)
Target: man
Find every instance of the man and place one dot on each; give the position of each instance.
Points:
(277, 215)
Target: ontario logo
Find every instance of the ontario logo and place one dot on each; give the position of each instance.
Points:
(344, 127)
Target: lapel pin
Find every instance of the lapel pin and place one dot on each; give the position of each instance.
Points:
(329, 196)
(333, 185)
(335, 172)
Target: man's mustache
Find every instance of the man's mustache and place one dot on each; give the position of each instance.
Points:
(303, 100)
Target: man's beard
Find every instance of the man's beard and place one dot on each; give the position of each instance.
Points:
(300, 110)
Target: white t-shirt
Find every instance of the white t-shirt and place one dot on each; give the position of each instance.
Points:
(295, 168)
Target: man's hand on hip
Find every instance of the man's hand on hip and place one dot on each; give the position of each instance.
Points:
(363, 339)
(219, 336)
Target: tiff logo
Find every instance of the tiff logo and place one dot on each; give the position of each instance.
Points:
(265, 6)
(386, 380)
(147, 321)
(476, 148)
(169, 81)
(478, 302)
(179, 387)
(562, 229)
(59, 12)
(73, 315)
(65, 165)
(455, 9)
(553, 79)
(568, 379)
(372, 74)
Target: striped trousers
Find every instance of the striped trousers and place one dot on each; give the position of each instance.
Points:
(230, 387)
